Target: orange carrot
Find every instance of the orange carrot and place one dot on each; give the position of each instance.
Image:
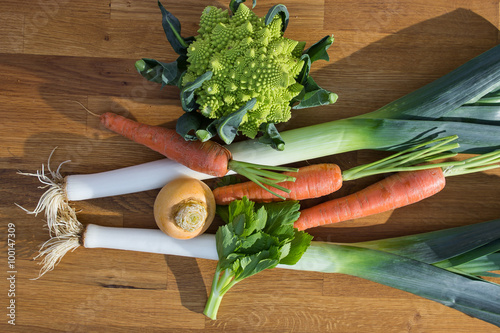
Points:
(322, 179)
(311, 182)
(396, 191)
(208, 157)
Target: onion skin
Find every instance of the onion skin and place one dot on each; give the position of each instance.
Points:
(175, 195)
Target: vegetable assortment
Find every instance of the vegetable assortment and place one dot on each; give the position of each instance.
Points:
(463, 102)
(241, 75)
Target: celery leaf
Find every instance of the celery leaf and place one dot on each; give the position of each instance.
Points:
(254, 239)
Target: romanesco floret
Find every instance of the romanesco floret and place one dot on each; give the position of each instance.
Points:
(248, 60)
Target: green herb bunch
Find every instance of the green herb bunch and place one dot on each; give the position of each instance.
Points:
(254, 240)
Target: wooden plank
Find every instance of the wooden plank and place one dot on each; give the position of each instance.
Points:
(392, 16)
(149, 11)
(12, 32)
(130, 36)
(27, 20)
(102, 38)
(89, 308)
(310, 16)
(51, 76)
(414, 313)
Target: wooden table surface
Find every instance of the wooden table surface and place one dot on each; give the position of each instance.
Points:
(56, 52)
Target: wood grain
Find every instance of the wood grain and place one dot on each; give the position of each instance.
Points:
(54, 53)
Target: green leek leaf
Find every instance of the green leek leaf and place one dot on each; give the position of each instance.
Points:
(437, 246)
(466, 257)
(465, 85)
(488, 274)
(482, 266)
(473, 138)
(475, 297)
(485, 114)
(491, 98)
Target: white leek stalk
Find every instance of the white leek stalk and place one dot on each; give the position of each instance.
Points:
(129, 239)
(149, 240)
(138, 178)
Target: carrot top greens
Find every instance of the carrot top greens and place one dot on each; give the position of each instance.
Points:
(254, 240)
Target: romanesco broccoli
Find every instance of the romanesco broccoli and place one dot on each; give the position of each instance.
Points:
(239, 74)
(248, 59)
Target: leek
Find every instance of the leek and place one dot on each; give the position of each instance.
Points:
(481, 266)
(474, 297)
(410, 263)
(436, 246)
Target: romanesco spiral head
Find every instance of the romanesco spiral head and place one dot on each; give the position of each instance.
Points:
(210, 17)
(248, 60)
